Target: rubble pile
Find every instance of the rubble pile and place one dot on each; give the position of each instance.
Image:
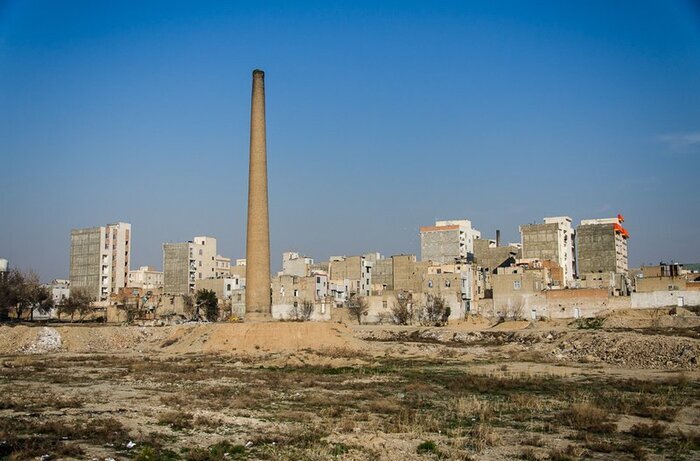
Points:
(47, 340)
(629, 350)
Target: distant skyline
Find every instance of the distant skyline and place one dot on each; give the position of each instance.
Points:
(381, 117)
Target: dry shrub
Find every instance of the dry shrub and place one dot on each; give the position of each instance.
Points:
(587, 417)
(208, 422)
(529, 454)
(529, 402)
(176, 420)
(570, 453)
(175, 400)
(648, 431)
(471, 407)
(385, 406)
(414, 422)
(481, 436)
(345, 425)
(534, 441)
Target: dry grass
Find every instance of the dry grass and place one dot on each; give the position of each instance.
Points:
(584, 416)
(333, 412)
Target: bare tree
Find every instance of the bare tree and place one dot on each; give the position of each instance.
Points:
(189, 307)
(130, 308)
(402, 310)
(307, 310)
(357, 307)
(301, 312)
(436, 311)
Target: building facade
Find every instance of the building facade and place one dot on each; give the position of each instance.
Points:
(147, 277)
(553, 240)
(448, 241)
(100, 258)
(602, 246)
(186, 263)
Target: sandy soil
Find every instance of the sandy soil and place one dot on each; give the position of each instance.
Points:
(628, 388)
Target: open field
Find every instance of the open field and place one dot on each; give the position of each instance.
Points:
(373, 393)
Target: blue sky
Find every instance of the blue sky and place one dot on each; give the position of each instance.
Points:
(382, 116)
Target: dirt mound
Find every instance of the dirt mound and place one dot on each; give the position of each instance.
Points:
(252, 338)
(249, 338)
(629, 350)
(511, 325)
(650, 318)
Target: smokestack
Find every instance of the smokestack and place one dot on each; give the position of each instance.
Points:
(498, 237)
(258, 300)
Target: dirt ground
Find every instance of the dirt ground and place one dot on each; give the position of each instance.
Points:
(622, 387)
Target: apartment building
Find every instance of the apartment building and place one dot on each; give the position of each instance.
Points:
(553, 240)
(147, 277)
(100, 258)
(187, 262)
(448, 241)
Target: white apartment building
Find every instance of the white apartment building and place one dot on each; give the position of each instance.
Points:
(99, 259)
(222, 267)
(147, 277)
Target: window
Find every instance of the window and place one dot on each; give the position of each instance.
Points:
(228, 287)
(447, 283)
(516, 285)
(296, 294)
(200, 252)
(430, 283)
(318, 279)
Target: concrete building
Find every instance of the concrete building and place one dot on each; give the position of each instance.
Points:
(489, 256)
(515, 288)
(60, 291)
(147, 277)
(665, 277)
(222, 267)
(100, 258)
(3, 269)
(453, 282)
(553, 240)
(382, 275)
(223, 287)
(352, 273)
(448, 241)
(294, 264)
(602, 246)
(186, 263)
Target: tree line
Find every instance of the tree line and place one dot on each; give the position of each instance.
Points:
(23, 293)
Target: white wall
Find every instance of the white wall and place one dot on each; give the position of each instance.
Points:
(664, 299)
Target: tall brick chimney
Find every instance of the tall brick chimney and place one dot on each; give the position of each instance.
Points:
(258, 302)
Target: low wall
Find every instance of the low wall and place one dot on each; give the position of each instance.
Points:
(554, 304)
(654, 299)
(322, 312)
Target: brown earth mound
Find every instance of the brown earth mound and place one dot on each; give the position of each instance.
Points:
(259, 337)
(650, 318)
(250, 338)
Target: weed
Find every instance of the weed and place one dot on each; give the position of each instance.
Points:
(529, 454)
(427, 446)
(176, 420)
(648, 431)
(586, 417)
